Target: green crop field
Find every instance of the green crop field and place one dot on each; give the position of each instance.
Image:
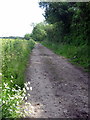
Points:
(14, 57)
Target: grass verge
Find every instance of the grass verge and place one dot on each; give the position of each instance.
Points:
(76, 54)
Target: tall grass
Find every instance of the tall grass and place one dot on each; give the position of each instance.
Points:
(76, 54)
(15, 54)
(0, 77)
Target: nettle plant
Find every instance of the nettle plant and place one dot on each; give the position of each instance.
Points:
(13, 99)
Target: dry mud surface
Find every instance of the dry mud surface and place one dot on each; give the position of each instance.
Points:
(59, 89)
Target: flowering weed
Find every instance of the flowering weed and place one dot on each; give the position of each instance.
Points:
(15, 54)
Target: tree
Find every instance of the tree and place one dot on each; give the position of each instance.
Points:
(59, 12)
(27, 36)
(70, 21)
(39, 33)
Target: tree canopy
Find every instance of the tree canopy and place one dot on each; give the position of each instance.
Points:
(70, 20)
(39, 33)
(27, 36)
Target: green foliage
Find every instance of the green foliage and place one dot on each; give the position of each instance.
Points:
(54, 32)
(59, 12)
(70, 21)
(11, 100)
(68, 30)
(13, 51)
(15, 54)
(76, 54)
(39, 32)
(27, 36)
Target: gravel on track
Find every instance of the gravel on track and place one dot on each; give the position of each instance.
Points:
(59, 89)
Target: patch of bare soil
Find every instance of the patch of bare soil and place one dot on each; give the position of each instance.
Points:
(59, 89)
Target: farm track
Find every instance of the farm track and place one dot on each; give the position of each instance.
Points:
(59, 89)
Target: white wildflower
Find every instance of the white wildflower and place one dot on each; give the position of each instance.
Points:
(12, 98)
(24, 90)
(19, 90)
(17, 103)
(19, 87)
(10, 110)
(27, 88)
(17, 111)
(11, 81)
(13, 89)
(7, 87)
(31, 88)
(13, 104)
(3, 101)
(26, 112)
(25, 84)
(29, 83)
(5, 84)
(11, 76)
(26, 103)
(0, 74)
(28, 94)
(16, 85)
(25, 98)
(9, 96)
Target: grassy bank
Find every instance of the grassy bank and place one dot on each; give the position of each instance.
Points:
(76, 54)
(15, 54)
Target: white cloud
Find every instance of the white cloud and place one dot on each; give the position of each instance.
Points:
(16, 16)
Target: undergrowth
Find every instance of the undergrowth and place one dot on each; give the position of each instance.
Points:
(15, 54)
(76, 54)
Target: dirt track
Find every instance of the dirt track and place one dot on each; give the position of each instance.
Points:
(59, 89)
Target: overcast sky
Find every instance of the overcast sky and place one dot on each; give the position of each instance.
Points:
(16, 16)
